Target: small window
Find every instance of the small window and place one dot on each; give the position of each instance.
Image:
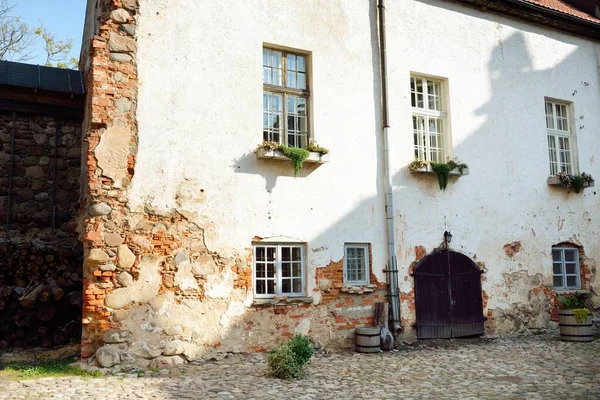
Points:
(356, 264)
(278, 270)
(560, 138)
(565, 268)
(429, 119)
(285, 98)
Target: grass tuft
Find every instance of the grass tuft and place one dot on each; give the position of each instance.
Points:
(62, 368)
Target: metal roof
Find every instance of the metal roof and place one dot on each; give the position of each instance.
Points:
(39, 77)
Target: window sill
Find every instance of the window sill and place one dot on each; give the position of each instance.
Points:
(455, 172)
(554, 181)
(357, 289)
(313, 157)
(565, 291)
(282, 301)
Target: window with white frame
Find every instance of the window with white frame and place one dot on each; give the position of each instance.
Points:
(285, 98)
(356, 264)
(278, 270)
(429, 118)
(565, 268)
(560, 141)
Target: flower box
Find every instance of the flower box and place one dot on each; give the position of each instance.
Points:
(314, 157)
(429, 170)
(555, 181)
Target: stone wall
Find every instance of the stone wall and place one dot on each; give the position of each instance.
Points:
(38, 238)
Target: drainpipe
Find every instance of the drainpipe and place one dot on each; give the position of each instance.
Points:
(392, 269)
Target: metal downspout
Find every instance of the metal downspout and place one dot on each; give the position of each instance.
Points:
(392, 269)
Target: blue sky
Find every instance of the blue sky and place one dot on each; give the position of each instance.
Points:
(63, 18)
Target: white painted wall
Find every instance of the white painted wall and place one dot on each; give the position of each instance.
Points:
(199, 115)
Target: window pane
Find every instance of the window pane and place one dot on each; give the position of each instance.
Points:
(260, 287)
(301, 60)
(297, 286)
(271, 287)
(286, 286)
(297, 270)
(570, 268)
(291, 62)
(272, 115)
(557, 255)
(260, 254)
(291, 80)
(297, 122)
(271, 253)
(570, 255)
(296, 254)
(417, 92)
(558, 281)
(285, 254)
(272, 67)
(419, 136)
(433, 95)
(260, 270)
(549, 116)
(557, 268)
(286, 270)
(271, 270)
(301, 80)
(571, 281)
(552, 155)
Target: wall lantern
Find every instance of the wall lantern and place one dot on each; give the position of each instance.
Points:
(447, 236)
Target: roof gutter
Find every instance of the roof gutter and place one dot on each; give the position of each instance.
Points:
(392, 269)
(540, 14)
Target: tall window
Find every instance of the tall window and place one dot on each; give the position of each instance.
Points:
(285, 98)
(559, 138)
(278, 270)
(356, 264)
(429, 118)
(565, 268)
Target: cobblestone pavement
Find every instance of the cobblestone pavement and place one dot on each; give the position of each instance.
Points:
(530, 367)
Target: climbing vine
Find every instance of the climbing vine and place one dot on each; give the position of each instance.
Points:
(443, 172)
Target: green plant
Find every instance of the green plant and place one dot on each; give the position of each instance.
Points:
(288, 361)
(457, 164)
(443, 172)
(314, 147)
(577, 182)
(417, 165)
(575, 302)
(47, 369)
(302, 348)
(268, 145)
(297, 155)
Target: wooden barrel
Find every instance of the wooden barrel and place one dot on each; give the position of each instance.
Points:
(572, 330)
(368, 340)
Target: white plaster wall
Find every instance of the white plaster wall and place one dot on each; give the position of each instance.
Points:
(199, 115)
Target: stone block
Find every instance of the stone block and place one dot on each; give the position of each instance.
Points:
(166, 362)
(145, 349)
(118, 298)
(117, 336)
(120, 57)
(121, 44)
(120, 16)
(125, 279)
(175, 347)
(108, 267)
(123, 104)
(97, 257)
(130, 4)
(113, 240)
(34, 172)
(125, 257)
(107, 356)
(128, 29)
(99, 209)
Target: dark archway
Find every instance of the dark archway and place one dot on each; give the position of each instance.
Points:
(448, 296)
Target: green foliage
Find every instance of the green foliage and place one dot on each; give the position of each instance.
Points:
(417, 165)
(443, 172)
(288, 361)
(572, 301)
(314, 147)
(457, 164)
(56, 50)
(302, 348)
(581, 314)
(297, 156)
(578, 183)
(47, 369)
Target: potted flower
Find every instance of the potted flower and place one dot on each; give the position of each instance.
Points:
(574, 318)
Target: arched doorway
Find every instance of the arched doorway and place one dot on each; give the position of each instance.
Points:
(448, 296)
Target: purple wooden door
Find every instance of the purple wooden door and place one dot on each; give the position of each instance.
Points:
(448, 296)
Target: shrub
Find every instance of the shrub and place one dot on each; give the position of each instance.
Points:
(288, 361)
